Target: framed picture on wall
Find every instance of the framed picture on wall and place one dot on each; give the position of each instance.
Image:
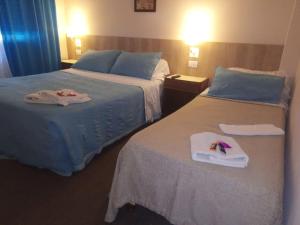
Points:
(144, 5)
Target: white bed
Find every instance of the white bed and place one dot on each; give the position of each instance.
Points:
(152, 89)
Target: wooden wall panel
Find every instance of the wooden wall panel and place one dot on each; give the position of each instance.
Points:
(212, 54)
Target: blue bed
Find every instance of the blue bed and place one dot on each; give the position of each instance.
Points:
(65, 139)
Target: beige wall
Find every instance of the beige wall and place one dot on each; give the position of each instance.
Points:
(60, 15)
(291, 53)
(251, 21)
(291, 63)
(292, 206)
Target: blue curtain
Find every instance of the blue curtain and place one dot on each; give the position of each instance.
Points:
(30, 37)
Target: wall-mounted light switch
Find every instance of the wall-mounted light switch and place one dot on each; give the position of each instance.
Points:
(193, 64)
(194, 52)
(78, 51)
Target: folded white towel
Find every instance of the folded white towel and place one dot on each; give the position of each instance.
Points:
(62, 97)
(250, 130)
(200, 148)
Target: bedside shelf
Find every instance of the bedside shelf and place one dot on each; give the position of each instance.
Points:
(67, 63)
(179, 91)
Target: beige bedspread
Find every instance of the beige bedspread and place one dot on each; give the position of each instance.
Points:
(155, 169)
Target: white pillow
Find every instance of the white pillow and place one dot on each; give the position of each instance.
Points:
(161, 70)
(285, 95)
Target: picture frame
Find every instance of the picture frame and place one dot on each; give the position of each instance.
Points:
(145, 5)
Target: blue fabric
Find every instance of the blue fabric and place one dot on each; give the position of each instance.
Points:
(30, 36)
(97, 61)
(64, 139)
(246, 86)
(140, 65)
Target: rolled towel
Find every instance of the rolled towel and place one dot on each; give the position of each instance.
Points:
(62, 97)
(251, 130)
(201, 149)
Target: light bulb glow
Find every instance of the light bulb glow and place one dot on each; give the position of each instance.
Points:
(78, 42)
(197, 27)
(77, 25)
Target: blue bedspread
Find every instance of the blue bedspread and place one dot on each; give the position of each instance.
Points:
(65, 139)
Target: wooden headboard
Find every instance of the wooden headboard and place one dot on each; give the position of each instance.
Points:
(212, 54)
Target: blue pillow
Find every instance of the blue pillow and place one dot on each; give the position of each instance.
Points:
(140, 65)
(97, 61)
(246, 86)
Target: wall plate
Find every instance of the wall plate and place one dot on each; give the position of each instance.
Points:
(193, 64)
(194, 52)
(78, 51)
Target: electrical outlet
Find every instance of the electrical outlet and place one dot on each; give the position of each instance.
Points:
(193, 64)
(78, 51)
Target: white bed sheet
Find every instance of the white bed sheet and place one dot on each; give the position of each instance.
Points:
(152, 89)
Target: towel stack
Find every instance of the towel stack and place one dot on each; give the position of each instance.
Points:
(201, 148)
(251, 130)
(222, 150)
(62, 97)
